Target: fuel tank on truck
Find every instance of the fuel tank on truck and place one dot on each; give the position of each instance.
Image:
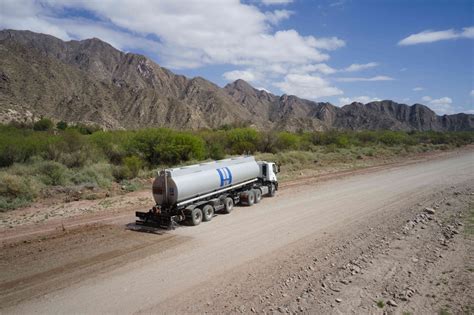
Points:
(191, 181)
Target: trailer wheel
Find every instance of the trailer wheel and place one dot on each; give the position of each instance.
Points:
(207, 213)
(196, 216)
(258, 195)
(250, 197)
(272, 190)
(228, 205)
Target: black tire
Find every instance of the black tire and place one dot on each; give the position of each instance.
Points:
(228, 205)
(272, 190)
(258, 195)
(196, 216)
(250, 198)
(207, 213)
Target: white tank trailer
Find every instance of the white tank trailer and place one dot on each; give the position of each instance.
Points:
(194, 193)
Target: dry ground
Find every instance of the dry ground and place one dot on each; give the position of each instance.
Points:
(354, 243)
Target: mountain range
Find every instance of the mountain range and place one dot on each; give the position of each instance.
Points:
(90, 81)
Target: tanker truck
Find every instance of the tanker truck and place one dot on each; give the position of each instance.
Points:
(192, 194)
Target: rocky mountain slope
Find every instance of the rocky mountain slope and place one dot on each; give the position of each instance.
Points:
(90, 81)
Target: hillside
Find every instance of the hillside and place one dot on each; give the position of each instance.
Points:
(91, 81)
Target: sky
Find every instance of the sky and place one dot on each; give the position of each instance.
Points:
(338, 51)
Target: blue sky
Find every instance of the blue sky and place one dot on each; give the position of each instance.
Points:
(332, 50)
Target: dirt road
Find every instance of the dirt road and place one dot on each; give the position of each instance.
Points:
(108, 269)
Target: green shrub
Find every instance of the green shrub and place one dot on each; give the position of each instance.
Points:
(99, 174)
(121, 173)
(164, 146)
(366, 137)
(287, 141)
(52, 173)
(242, 140)
(113, 145)
(342, 141)
(13, 203)
(18, 145)
(392, 138)
(43, 124)
(130, 185)
(216, 151)
(61, 125)
(134, 164)
(16, 191)
(85, 129)
(72, 149)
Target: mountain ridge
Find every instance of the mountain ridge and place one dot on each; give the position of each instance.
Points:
(91, 81)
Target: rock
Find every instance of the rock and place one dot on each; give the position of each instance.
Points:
(338, 300)
(392, 303)
(415, 260)
(430, 210)
(252, 310)
(344, 281)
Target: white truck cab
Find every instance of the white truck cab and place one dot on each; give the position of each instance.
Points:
(268, 171)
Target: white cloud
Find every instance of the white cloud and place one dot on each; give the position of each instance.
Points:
(307, 86)
(472, 93)
(319, 67)
(359, 99)
(246, 75)
(273, 2)
(277, 16)
(429, 36)
(202, 32)
(418, 88)
(328, 43)
(443, 100)
(360, 79)
(263, 89)
(441, 105)
(337, 3)
(357, 67)
(28, 15)
(426, 98)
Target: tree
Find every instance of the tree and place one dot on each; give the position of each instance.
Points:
(61, 125)
(43, 124)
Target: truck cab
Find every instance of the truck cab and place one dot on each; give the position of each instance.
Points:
(268, 171)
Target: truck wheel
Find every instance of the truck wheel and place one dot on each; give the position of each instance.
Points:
(196, 216)
(207, 213)
(258, 195)
(250, 197)
(228, 205)
(272, 190)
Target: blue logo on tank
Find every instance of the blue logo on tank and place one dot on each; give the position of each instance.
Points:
(225, 176)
